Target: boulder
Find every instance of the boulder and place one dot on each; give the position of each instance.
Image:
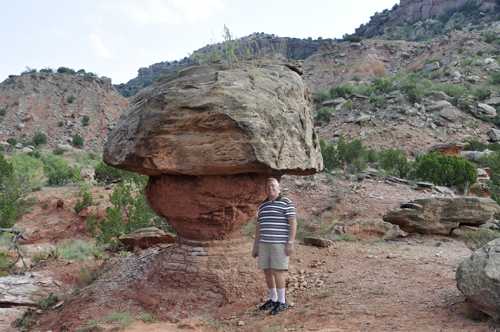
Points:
(430, 67)
(318, 242)
(66, 147)
(456, 75)
(145, 237)
(440, 95)
(333, 102)
(450, 149)
(473, 79)
(487, 110)
(474, 156)
(218, 119)
(27, 149)
(19, 146)
(362, 119)
(478, 278)
(493, 101)
(494, 134)
(438, 105)
(450, 114)
(439, 215)
(20, 126)
(464, 229)
(4, 146)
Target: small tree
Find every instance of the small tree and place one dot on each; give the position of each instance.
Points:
(40, 138)
(3, 111)
(394, 161)
(12, 141)
(78, 141)
(451, 171)
(70, 99)
(87, 201)
(104, 174)
(86, 120)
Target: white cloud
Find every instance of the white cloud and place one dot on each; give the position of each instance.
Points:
(98, 46)
(59, 33)
(164, 11)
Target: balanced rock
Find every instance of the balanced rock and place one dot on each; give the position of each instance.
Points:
(218, 119)
(449, 149)
(430, 67)
(440, 215)
(146, 237)
(478, 278)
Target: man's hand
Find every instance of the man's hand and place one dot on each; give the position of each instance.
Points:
(289, 249)
(255, 252)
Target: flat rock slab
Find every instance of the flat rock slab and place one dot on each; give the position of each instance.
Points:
(145, 238)
(254, 116)
(318, 242)
(440, 215)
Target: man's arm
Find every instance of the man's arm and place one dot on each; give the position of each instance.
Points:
(255, 250)
(291, 236)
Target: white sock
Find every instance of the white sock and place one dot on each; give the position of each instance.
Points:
(273, 294)
(281, 295)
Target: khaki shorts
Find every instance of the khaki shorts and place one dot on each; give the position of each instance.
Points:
(272, 256)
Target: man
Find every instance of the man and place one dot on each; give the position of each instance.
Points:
(276, 228)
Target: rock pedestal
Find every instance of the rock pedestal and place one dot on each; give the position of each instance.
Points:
(206, 208)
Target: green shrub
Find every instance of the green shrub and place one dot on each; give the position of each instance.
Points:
(58, 151)
(12, 141)
(477, 239)
(78, 141)
(86, 120)
(105, 174)
(394, 161)
(324, 113)
(58, 171)
(130, 211)
(79, 250)
(451, 171)
(66, 70)
(479, 53)
(481, 93)
(495, 78)
(465, 106)
(458, 27)
(3, 111)
(40, 138)
(87, 201)
(70, 99)
(414, 96)
(493, 184)
(61, 123)
(347, 155)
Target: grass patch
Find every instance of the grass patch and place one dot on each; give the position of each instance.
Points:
(147, 317)
(348, 238)
(325, 294)
(213, 323)
(80, 250)
(121, 318)
(477, 239)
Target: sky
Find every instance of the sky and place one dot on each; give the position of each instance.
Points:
(114, 38)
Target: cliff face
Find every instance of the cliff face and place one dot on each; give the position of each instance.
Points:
(56, 104)
(414, 10)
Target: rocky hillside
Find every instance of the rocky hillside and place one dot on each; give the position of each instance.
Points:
(424, 19)
(256, 44)
(55, 104)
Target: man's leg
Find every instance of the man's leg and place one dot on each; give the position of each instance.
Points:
(279, 278)
(271, 284)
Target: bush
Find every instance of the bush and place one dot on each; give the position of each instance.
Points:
(105, 174)
(324, 114)
(66, 70)
(12, 141)
(58, 171)
(465, 106)
(414, 96)
(451, 171)
(3, 111)
(493, 184)
(58, 151)
(70, 99)
(78, 141)
(61, 123)
(481, 93)
(86, 120)
(40, 138)
(130, 211)
(495, 78)
(347, 155)
(87, 201)
(478, 239)
(394, 161)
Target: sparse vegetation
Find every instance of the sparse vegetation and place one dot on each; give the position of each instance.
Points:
(477, 239)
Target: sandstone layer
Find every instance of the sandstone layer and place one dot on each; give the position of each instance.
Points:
(440, 215)
(216, 119)
(205, 208)
(478, 278)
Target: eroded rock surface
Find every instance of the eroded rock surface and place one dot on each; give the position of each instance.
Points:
(478, 278)
(210, 120)
(146, 237)
(440, 215)
(206, 207)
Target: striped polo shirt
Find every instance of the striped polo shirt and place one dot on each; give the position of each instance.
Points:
(273, 219)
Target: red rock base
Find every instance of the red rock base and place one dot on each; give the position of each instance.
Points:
(207, 208)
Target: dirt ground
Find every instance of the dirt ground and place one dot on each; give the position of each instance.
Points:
(399, 284)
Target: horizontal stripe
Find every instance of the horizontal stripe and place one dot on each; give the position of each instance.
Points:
(273, 241)
(273, 219)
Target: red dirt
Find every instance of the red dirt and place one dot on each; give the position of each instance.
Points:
(406, 285)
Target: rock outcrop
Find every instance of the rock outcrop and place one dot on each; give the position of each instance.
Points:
(449, 149)
(145, 238)
(210, 136)
(56, 105)
(478, 278)
(254, 117)
(440, 215)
